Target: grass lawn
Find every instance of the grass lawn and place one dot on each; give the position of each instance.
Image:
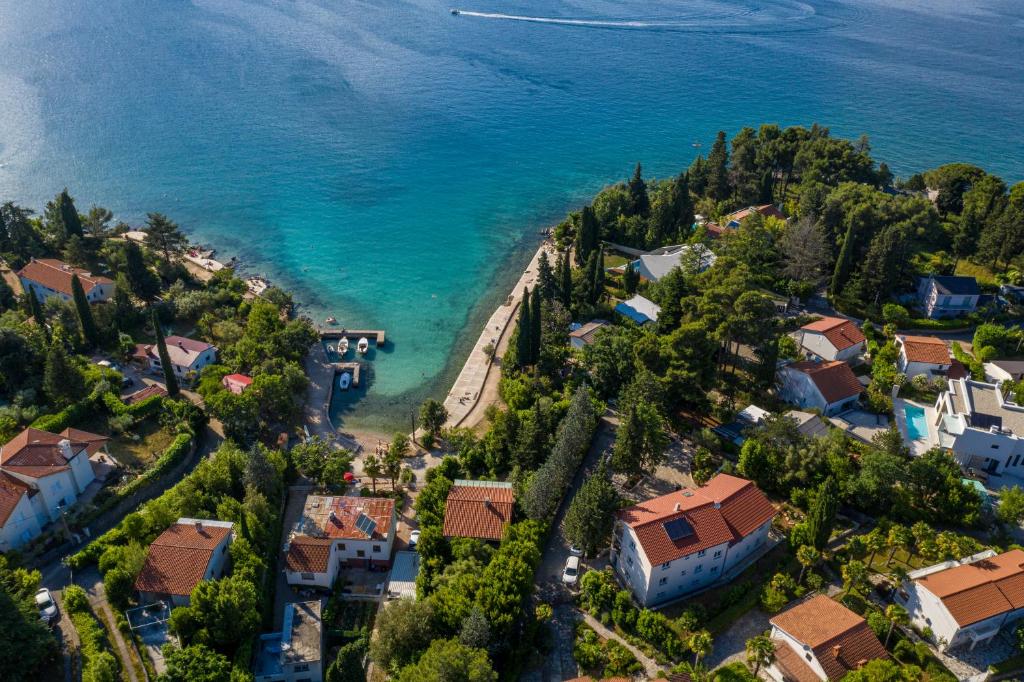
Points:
(982, 273)
(612, 260)
(901, 559)
(137, 449)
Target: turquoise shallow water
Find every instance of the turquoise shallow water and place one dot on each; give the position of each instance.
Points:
(392, 163)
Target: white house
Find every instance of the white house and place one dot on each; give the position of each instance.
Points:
(639, 309)
(678, 543)
(294, 654)
(820, 639)
(982, 425)
(654, 265)
(54, 467)
(1004, 370)
(923, 355)
(947, 296)
(190, 551)
(587, 333)
(18, 520)
(188, 356)
(48, 277)
(339, 531)
(966, 602)
(831, 338)
(830, 387)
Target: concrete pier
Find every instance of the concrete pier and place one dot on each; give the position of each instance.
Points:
(353, 334)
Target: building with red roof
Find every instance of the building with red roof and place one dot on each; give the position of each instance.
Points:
(687, 540)
(334, 532)
(188, 356)
(47, 277)
(478, 509)
(926, 355)
(236, 383)
(820, 639)
(967, 602)
(832, 338)
(18, 520)
(831, 387)
(190, 551)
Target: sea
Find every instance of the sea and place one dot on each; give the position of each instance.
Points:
(393, 163)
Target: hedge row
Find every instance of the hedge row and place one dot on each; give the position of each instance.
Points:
(139, 410)
(98, 663)
(72, 414)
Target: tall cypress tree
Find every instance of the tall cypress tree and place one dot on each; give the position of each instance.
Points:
(545, 277)
(37, 312)
(523, 338)
(143, 282)
(165, 359)
(587, 281)
(718, 169)
(69, 214)
(841, 274)
(597, 277)
(565, 279)
(535, 325)
(822, 514)
(85, 319)
(640, 203)
(588, 237)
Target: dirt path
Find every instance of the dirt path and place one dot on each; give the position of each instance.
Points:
(651, 666)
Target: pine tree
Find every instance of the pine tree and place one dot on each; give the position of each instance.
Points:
(588, 237)
(164, 234)
(143, 282)
(61, 219)
(590, 516)
(841, 274)
(63, 383)
(630, 278)
(822, 515)
(639, 202)
(718, 169)
(535, 325)
(545, 277)
(597, 277)
(586, 282)
(165, 359)
(523, 338)
(37, 311)
(565, 279)
(85, 319)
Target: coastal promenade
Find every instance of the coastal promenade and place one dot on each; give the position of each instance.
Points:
(479, 369)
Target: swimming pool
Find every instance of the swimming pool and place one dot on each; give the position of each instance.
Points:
(917, 425)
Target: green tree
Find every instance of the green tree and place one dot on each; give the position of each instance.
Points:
(195, 663)
(822, 515)
(760, 652)
(630, 278)
(884, 670)
(1011, 505)
(640, 441)
(896, 615)
(144, 284)
(855, 576)
(447, 660)
(404, 629)
(475, 631)
(807, 556)
(639, 202)
(225, 612)
(85, 319)
(374, 468)
(899, 537)
(700, 644)
(590, 516)
(546, 277)
(535, 325)
(170, 380)
(433, 416)
(164, 235)
(61, 219)
(718, 169)
(564, 279)
(588, 235)
(348, 665)
(37, 312)
(524, 345)
(63, 382)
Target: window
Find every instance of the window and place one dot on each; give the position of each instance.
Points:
(699, 569)
(376, 549)
(224, 549)
(718, 553)
(664, 566)
(301, 668)
(632, 545)
(663, 581)
(307, 576)
(341, 546)
(1016, 460)
(701, 553)
(360, 553)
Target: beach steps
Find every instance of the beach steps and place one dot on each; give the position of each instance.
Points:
(353, 334)
(353, 368)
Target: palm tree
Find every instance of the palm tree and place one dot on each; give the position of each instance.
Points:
(896, 615)
(899, 537)
(700, 644)
(855, 574)
(875, 542)
(923, 533)
(373, 468)
(696, 673)
(760, 651)
(807, 555)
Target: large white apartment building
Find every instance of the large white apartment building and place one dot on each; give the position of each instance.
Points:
(684, 541)
(981, 425)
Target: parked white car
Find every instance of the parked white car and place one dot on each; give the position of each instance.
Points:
(414, 538)
(571, 572)
(47, 607)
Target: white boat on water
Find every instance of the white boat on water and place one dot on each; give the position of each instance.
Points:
(363, 345)
(342, 346)
(344, 381)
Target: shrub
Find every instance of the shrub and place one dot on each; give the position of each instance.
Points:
(118, 584)
(621, 661)
(588, 651)
(75, 599)
(98, 664)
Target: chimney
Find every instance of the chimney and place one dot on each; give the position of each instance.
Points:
(199, 526)
(718, 505)
(836, 649)
(487, 502)
(65, 449)
(679, 507)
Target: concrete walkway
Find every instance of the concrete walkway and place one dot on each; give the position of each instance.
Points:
(469, 386)
(651, 666)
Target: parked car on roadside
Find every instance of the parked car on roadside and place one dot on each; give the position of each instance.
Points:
(414, 538)
(571, 572)
(47, 607)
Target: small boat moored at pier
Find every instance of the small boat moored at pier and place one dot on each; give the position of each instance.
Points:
(342, 346)
(363, 345)
(344, 381)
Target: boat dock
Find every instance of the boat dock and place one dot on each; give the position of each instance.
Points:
(353, 334)
(352, 368)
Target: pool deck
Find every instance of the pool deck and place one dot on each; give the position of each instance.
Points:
(469, 386)
(917, 447)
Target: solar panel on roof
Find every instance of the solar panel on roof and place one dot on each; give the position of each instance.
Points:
(677, 529)
(366, 525)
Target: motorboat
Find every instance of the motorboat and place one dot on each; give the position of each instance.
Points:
(455, 11)
(342, 346)
(344, 381)
(331, 320)
(363, 345)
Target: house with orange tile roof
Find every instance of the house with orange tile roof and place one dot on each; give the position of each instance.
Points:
(334, 532)
(54, 467)
(831, 387)
(926, 355)
(187, 553)
(18, 520)
(966, 602)
(48, 277)
(831, 338)
(478, 509)
(820, 639)
(675, 544)
(733, 220)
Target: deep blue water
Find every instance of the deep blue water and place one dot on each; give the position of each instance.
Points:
(392, 163)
